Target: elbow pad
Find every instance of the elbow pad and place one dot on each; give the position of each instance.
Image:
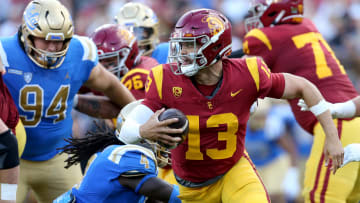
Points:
(9, 154)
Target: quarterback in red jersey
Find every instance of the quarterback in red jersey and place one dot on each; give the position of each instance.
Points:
(290, 43)
(216, 94)
(119, 53)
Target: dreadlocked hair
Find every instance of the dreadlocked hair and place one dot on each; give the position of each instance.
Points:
(83, 148)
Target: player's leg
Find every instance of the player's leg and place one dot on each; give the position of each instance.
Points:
(272, 175)
(243, 184)
(208, 194)
(320, 183)
(9, 177)
(49, 179)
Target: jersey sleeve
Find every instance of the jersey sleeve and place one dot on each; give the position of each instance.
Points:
(256, 43)
(154, 89)
(89, 57)
(133, 160)
(261, 76)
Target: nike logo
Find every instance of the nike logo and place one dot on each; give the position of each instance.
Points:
(233, 94)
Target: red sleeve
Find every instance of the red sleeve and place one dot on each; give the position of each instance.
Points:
(8, 111)
(278, 85)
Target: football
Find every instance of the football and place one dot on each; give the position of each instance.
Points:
(183, 123)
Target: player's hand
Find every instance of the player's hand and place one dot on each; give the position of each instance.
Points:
(333, 150)
(352, 153)
(157, 130)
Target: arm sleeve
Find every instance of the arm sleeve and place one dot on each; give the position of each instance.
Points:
(278, 85)
(129, 132)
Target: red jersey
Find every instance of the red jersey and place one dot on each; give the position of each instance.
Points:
(301, 50)
(135, 79)
(8, 111)
(217, 125)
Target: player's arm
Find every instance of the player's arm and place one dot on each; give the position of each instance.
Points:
(142, 122)
(152, 187)
(10, 161)
(348, 109)
(96, 106)
(298, 87)
(102, 80)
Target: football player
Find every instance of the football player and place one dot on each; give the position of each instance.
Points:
(119, 53)
(143, 22)
(290, 43)
(46, 64)
(11, 146)
(216, 94)
(118, 172)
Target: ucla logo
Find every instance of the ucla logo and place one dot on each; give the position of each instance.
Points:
(27, 77)
(214, 23)
(31, 17)
(177, 91)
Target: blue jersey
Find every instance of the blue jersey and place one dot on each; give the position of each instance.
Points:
(281, 119)
(262, 149)
(44, 97)
(100, 183)
(161, 52)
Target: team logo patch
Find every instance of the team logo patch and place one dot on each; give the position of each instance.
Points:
(27, 77)
(177, 91)
(214, 23)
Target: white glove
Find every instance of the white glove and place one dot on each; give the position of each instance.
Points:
(291, 185)
(338, 110)
(352, 153)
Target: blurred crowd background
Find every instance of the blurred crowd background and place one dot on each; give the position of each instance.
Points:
(337, 20)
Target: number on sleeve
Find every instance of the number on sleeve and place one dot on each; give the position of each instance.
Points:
(144, 160)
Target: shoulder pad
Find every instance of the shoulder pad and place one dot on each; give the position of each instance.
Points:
(90, 50)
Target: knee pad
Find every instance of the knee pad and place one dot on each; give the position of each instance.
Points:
(9, 155)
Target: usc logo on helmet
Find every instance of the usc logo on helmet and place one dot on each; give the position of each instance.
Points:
(215, 24)
(125, 35)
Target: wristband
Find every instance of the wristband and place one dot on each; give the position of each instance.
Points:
(75, 100)
(319, 108)
(8, 191)
(174, 195)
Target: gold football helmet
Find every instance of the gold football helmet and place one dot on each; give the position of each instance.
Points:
(49, 20)
(143, 22)
(162, 154)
